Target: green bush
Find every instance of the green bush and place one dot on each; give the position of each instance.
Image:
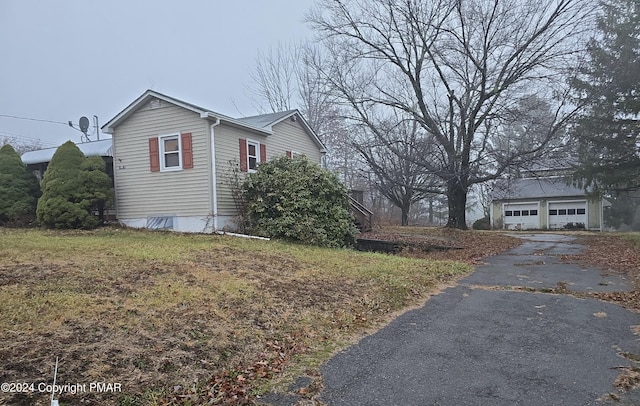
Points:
(74, 190)
(296, 200)
(19, 190)
(96, 185)
(482, 224)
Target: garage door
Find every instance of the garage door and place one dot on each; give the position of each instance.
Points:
(567, 214)
(521, 216)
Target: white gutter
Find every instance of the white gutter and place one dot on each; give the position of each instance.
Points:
(214, 179)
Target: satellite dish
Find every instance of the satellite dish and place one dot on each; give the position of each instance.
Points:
(84, 124)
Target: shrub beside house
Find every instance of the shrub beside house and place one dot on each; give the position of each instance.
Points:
(73, 188)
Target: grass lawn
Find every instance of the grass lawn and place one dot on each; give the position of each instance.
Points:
(188, 319)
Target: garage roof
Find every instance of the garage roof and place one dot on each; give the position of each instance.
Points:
(530, 188)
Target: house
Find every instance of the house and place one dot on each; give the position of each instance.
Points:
(37, 161)
(176, 165)
(549, 202)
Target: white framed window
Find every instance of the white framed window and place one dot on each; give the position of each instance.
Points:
(170, 152)
(253, 155)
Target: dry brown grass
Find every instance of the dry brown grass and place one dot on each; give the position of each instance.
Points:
(188, 319)
(469, 246)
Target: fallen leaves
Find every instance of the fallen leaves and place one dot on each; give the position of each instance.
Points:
(629, 378)
(616, 254)
(234, 386)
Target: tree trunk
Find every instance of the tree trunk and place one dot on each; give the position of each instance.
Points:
(457, 199)
(405, 207)
(405, 215)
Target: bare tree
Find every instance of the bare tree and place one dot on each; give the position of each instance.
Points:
(284, 79)
(275, 78)
(456, 67)
(22, 144)
(397, 174)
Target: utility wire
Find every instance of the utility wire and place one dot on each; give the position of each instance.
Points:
(33, 119)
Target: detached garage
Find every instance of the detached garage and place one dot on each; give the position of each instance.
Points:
(544, 204)
(522, 215)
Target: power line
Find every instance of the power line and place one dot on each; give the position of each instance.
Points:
(33, 119)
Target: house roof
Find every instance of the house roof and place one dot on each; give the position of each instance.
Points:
(530, 188)
(95, 148)
(268, 120)
(152, 94)
(261, 123)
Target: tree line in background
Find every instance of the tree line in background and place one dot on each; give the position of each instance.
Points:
(421, 103)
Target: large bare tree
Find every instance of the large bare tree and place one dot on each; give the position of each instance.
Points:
(458, 68)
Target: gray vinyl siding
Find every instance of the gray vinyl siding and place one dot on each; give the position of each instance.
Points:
(142, 193)
(287, 136)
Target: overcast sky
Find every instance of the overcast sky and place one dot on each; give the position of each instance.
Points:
(63, 59)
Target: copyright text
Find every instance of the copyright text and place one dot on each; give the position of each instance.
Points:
(71, 388)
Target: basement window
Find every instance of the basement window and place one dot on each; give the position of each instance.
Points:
(160, 223)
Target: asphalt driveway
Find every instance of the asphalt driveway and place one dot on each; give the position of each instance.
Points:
(484, 343)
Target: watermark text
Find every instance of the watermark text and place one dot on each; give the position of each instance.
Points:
(70, 388)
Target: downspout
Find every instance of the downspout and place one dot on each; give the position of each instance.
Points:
(213, 176)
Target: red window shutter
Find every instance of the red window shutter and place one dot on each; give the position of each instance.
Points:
(243, 155)
(154, 154)
(187, 151)
(288, 154)
(263, 153)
